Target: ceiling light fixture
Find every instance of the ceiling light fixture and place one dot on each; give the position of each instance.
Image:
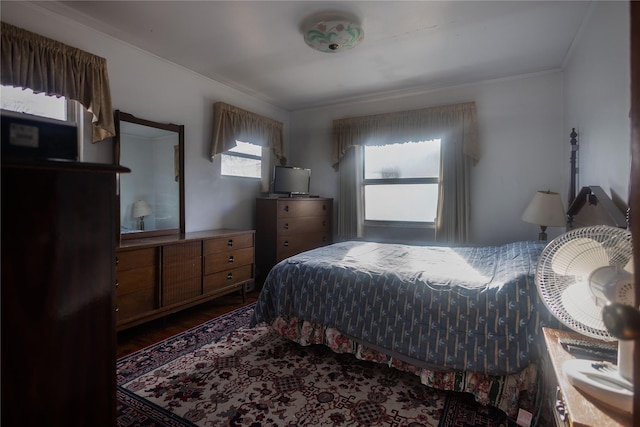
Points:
(332, 31)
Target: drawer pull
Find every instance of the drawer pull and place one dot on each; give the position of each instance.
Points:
(117, 261)
(231, 259)
(117, 309)
(324, 238)
(286, 208)
(324, 207)
(286, 226)
(117, 283)
(560, 409)
(230, 276)
(230, 242)
(286, 243)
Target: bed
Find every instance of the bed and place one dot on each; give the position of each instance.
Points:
(462, 318)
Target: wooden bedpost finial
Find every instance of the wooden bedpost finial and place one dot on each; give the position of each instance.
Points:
(574, 169)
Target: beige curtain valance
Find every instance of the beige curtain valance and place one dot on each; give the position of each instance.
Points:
(399, 127)
(45, 65)
(232, 123)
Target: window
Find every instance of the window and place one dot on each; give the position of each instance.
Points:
(401, 182)
(243, 160)
(25, 101)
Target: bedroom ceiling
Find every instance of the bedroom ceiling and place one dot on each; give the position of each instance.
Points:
(257, 46)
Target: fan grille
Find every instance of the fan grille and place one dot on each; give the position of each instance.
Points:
(563, 272)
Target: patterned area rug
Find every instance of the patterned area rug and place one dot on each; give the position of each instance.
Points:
(223, 373)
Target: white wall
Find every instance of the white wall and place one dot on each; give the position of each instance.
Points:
(521, 140)
(524, 123)
(154, 89)
(597, 100)
(524, 128)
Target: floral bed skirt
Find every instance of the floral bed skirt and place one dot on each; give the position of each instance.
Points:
(508, 393)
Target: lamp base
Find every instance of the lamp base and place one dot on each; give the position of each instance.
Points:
(543, 235)
(141, 225)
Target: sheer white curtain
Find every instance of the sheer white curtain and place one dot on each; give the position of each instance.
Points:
(455, 125)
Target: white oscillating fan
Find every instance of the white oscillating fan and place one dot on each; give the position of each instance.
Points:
(578, 274)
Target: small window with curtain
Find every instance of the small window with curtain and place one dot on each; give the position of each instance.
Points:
(244, 160)
(401, 182)
(21, 100)
(26, 101)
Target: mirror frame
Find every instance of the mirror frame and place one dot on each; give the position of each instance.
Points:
(179, 129)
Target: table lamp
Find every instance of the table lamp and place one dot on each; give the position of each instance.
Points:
(545, 210)
(141, 209)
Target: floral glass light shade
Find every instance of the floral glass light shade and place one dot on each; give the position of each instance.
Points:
(332, 32)
(545, 210)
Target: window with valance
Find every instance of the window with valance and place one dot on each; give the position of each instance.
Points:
(31, 61)
(454, 125)
(231, 124)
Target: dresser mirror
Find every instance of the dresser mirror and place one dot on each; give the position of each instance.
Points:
(151, 196)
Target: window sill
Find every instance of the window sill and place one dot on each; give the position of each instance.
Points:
(400, 224)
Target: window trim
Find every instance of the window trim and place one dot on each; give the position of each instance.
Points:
(396, 181)
(244, 155)
(399, 224)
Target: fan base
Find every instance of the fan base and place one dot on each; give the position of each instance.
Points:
(602, 381)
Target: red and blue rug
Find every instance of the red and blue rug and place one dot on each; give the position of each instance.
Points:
(223, 373)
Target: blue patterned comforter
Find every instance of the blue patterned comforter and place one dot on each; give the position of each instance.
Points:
(453, 308)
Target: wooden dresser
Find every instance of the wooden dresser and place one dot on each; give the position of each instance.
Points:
(58, 277)
(288, 226)
(161, 275)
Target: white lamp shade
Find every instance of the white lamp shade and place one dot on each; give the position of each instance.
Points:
(141, 208)
(545, 209)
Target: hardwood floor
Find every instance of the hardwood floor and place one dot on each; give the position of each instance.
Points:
(133, 339)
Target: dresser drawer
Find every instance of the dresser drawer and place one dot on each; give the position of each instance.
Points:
(307, 224)
(136, 283)
(127, 260)
(223, 244)
(298, 208)
(136, 279)
(227, 279)
(135, 303)
(291, 245)
(214, 263)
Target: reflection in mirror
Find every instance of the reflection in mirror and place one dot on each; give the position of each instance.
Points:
(151, 196)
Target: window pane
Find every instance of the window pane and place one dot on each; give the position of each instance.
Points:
(401, 202)
(240, 166)
(247, 148)
(25, 101)
(408, 160)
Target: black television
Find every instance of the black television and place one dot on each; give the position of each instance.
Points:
(291, 181)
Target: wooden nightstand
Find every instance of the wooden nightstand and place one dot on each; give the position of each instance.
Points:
(580, 410)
